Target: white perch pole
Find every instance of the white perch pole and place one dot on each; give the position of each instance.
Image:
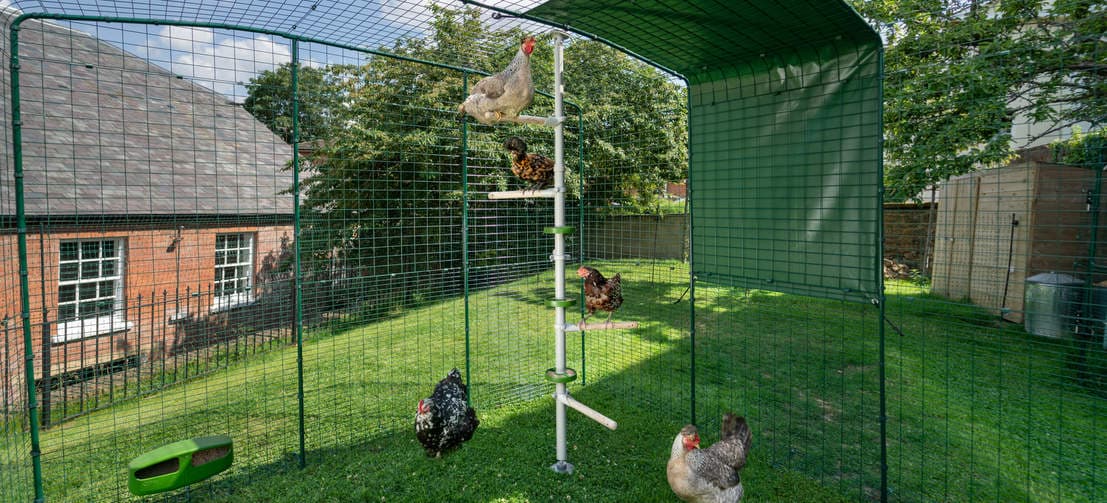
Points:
(522, 194)
(588, 411)
(562, 465)
(615, 325)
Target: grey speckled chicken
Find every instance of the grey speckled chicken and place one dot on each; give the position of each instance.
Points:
(444, 420)
(505, 94)
(710, 475)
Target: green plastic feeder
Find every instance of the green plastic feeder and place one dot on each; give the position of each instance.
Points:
(179, 464)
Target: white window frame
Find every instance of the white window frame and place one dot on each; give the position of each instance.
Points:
(243, 267)
(93, 326)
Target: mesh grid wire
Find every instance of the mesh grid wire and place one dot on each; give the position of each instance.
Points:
(160, 215)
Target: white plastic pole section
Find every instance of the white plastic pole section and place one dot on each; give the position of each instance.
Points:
(562, 465)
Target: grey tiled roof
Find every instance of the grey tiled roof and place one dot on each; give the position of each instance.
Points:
(107, 133)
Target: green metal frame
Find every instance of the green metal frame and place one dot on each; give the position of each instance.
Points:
(24, 283)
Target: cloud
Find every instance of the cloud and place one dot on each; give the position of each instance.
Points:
(220, 61)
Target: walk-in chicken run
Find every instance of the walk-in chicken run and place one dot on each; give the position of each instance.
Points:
(318, 251)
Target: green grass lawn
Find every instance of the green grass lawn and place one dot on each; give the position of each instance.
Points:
(977, 409)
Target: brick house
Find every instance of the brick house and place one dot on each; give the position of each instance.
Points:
(157, 210)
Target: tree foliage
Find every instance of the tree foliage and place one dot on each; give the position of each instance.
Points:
(269, 99)
(382, 188)
(960, 73)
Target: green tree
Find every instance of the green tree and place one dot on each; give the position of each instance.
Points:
(958, 73)
(269, 99)
(381, 191)
(635, 123)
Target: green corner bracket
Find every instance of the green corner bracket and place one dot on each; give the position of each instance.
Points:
(566, 229)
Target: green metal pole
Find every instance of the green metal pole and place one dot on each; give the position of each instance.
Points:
(297, 231)
(24, 286)
(878, 270)
(465, 227)
(691, 262)
(580, 230)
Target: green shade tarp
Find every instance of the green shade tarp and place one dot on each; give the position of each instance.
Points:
(784, 133)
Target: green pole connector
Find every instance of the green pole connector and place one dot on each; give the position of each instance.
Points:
(562, 302)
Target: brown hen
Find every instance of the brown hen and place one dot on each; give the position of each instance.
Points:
(533, 168)
(600, 293)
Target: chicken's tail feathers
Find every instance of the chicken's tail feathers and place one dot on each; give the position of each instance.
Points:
(736, 426)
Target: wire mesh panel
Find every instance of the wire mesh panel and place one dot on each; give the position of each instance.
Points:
(268, 220)
(16, 478)
(994, 149)
(159, 225)
(382, 244)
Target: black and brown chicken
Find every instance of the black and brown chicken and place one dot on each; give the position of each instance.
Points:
(538, 170)
(600, 293)
(444, 420)
(710, 475)
(505, 94)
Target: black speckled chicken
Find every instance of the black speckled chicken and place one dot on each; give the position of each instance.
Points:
(536, 169)
(444, 420)
(710, 475)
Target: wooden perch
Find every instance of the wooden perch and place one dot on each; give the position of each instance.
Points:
(614, 325)
(530, 119)
(588, 411)
(522, 194)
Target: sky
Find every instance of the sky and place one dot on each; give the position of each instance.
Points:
(222, 59)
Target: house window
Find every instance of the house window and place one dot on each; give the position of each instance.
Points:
(90, 289)
(234, 268)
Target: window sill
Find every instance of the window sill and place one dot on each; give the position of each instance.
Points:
(229, 303)
(87, 329)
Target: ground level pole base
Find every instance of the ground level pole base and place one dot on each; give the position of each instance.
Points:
(562, 467)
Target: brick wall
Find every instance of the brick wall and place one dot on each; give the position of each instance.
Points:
(162, 276)
(905, 233)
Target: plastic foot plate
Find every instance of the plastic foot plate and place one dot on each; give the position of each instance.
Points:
(562, 467)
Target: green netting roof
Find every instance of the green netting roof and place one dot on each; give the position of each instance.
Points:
(691, 36)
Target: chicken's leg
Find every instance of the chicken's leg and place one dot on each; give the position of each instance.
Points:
(580, 324)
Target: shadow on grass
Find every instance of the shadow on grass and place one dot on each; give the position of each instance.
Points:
(509, 458)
